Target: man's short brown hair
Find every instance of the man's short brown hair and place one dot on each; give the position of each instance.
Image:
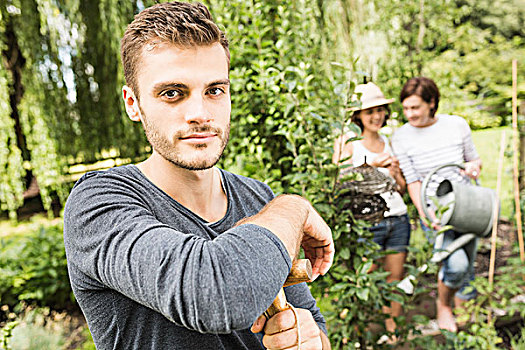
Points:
(182, 24)
(424, 88)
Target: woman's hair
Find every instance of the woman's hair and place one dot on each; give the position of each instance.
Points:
(357, 121)
(424, 88)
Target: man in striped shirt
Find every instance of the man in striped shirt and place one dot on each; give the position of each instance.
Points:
(427, 141)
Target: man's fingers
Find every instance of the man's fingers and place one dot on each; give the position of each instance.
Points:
(328, 259)
(318, 243)
(280, 322)
(321, 256)
(258, 325)
(281, 331)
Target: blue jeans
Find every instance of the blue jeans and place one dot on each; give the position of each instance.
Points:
(392, 233)
(457, 270)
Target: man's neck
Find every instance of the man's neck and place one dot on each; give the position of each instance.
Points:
(200, 191)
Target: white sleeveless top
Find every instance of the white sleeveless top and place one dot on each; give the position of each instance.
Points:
(394, 200)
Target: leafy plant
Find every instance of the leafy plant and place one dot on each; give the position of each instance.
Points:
(33, 268)
(357, 294)
(491, 301)
(6, 334)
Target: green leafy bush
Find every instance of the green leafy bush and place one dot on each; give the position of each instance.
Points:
(491, 301)
(5, 335)
(33, 269)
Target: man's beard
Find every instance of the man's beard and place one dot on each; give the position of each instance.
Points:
(168, 150)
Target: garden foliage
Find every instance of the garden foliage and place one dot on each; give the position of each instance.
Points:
(294, 64)
(33, 270)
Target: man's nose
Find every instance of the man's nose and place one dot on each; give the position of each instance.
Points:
(196, 110)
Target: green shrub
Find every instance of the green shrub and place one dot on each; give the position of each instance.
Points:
(33, 269)
(482, 334)
(6, 335)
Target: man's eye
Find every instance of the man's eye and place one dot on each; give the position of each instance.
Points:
(215, 91)
(171, 94)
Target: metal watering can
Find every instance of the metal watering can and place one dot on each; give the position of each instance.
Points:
(470, 210)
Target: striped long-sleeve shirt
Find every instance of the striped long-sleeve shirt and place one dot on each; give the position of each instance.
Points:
(421, 150)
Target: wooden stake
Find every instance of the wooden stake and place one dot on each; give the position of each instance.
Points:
(495, 219)
(496, 211)
(515, 149)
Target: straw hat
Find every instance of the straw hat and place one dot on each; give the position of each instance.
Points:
(371, 96)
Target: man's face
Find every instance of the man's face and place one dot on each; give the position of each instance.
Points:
(184, 103)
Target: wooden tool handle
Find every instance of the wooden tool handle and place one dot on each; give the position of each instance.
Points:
(301, 272)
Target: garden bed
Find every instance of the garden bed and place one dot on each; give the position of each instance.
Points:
(506, 324)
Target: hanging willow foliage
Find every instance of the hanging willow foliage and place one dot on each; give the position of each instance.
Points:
(11, 170)
(60, 82)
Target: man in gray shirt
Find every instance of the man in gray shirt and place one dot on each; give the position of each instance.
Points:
(174, 253)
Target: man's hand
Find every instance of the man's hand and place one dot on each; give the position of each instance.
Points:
(294, 220)
(317, 243)
(281, 331)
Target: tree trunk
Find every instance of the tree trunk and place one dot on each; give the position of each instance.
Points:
(14, 63)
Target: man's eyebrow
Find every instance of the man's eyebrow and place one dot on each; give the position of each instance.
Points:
(220, 82)
(163, 86)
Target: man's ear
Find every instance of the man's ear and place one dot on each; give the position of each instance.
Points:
(131, 103)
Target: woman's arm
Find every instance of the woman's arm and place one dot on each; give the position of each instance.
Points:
(414, 190)
(396, 173)
(473, 168)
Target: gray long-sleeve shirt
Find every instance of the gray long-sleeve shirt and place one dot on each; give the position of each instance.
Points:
(150, 274)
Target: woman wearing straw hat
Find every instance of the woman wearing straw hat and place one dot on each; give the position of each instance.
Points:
(393, 232)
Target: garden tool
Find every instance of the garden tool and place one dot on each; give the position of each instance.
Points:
(301, 272)
(469, 210)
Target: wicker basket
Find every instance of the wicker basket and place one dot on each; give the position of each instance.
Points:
(363, 196)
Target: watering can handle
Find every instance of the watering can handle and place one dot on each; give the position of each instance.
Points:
(424, 186)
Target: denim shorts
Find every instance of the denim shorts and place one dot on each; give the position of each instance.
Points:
(392, 233)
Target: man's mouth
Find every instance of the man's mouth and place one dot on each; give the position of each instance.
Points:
(199, 137)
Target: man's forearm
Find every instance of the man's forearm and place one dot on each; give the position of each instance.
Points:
(285, 217)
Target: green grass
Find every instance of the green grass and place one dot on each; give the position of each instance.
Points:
(488, 146)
